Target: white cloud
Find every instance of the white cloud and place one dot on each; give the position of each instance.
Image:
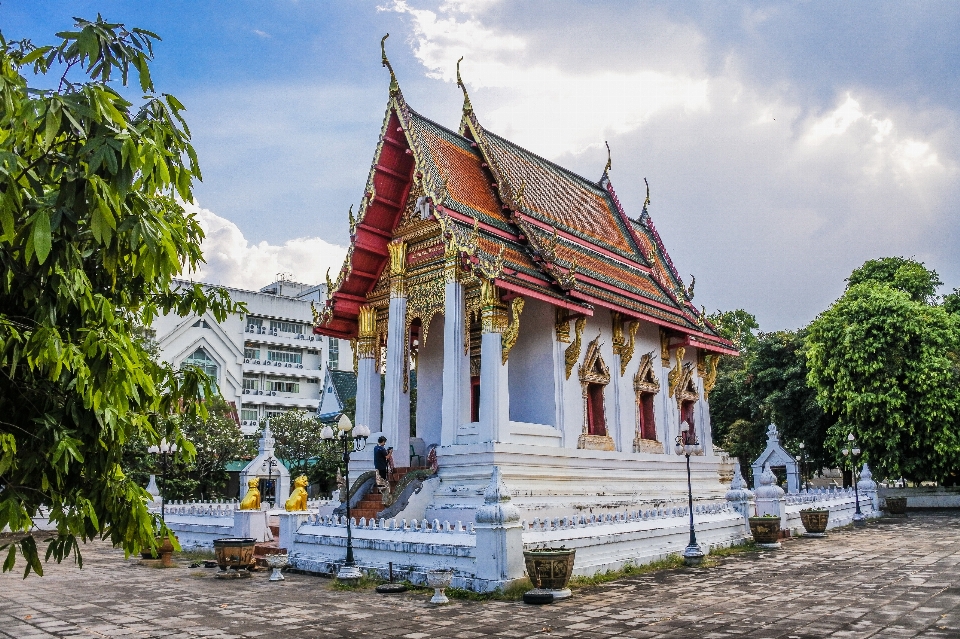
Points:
(539, 104)
(231, 260)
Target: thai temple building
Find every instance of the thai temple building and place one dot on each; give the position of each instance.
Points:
(558, 364)
(550, 332)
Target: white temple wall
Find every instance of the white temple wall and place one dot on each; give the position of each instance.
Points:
(531, 380)
(430, 384)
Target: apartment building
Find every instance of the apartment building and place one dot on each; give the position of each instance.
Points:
(265, 361)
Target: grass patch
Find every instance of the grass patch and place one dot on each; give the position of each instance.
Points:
(364, 583)
(513, 592)
(628, 570)
(669, 563)
(197, 554)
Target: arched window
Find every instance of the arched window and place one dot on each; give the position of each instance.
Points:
(594, 377)
(646, 386)
(206, 363)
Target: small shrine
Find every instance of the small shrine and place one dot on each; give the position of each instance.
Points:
(272, 477)
(776, 456)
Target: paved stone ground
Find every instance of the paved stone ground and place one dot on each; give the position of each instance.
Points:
(896, 578)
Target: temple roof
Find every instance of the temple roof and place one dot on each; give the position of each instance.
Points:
(547, 232)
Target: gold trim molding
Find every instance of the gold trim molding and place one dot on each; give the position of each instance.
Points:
(572, 352)
(510, 335)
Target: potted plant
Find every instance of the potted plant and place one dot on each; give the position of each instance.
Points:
(896, 506)
(814, 521)
(766, 530)
(550, 569)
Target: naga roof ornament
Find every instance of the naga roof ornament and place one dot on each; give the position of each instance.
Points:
(467, 106)
(394, 85)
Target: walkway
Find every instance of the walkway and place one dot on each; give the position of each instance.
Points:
(896, 578)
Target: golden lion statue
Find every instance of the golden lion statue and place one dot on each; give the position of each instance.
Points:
(251, 501)
(298, 498)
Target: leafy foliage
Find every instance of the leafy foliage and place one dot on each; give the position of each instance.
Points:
(766, 384)
(883, 359)
(909, 276)
(217, 440)
(297, 435)
(91, 237)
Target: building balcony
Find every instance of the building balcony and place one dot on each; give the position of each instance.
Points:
(277, 338)
(284, 369)
(276, 398)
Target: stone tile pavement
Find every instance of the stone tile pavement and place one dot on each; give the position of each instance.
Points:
(894, 579)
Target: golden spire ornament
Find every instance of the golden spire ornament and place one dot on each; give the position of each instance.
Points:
(467, 106)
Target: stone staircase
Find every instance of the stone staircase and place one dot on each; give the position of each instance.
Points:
(372, 502)
(264, 548)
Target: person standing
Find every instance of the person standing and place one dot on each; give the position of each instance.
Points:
(380, 457)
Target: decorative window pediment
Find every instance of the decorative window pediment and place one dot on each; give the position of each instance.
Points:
(646, 381)
(594, 370)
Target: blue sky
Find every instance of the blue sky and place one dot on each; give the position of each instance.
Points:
(785, 143)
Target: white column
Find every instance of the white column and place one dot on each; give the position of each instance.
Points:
(494, 389)
(456, 364)
(396, 402)
(368, 377)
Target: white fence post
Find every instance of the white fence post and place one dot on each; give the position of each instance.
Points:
(499, 554)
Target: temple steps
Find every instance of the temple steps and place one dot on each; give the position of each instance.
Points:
(372, 502)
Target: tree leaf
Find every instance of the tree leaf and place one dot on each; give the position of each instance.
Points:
(41, 236)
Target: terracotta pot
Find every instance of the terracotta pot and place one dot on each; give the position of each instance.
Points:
(765, 530)
(550, 567)
(235, 552)
(815, 521)
(896, 505)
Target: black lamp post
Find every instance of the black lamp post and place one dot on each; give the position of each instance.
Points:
(351, 440)
(687, 445)
(802, 458)
(165, 450)
(271, 462)
(853, 451)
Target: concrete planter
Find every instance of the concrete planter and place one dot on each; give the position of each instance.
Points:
(766, 531)
(164, 552)
(896, 505)
(439, 580)
(235, 553)
(550, 569)
(815, 521)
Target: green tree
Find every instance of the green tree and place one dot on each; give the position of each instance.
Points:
(883, 360)
(909, 276)
(729, 399)
(217, 440)
(297, 435)
(298, 442)
(91, 239)
(766, 384)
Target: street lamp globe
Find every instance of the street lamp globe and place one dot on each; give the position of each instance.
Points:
(344, 424)
(326, 433)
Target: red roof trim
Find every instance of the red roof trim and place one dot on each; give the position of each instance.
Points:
(553, 301)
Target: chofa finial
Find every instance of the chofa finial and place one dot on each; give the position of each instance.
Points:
(609, 165)
(394, 85)
(467, 106)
